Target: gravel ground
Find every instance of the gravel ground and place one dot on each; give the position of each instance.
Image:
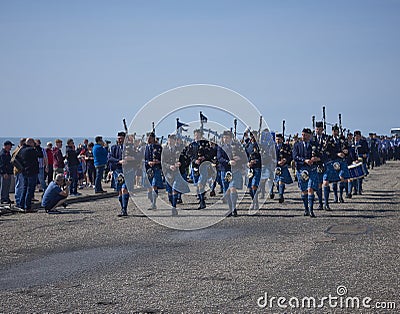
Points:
(87, 260)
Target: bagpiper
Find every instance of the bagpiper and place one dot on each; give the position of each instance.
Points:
(254, 163)
(231, 160)
(171, 164)
(320, 139)
(199, 152)
(283, 158)
(306, 164)
(152, 161)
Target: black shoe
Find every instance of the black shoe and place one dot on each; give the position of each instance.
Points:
(306, 213)
(326, 207)
(64, 205)
(341, 200)
(312, 215)
(179, 201)
(7, 202)
(360, 193)
(281, 199)
(234, 213)
(335, 200)
(123, 214)
(349, 195)
(320, 207)
(202, 206)
(271, 196)
(212, 193)
(355, 193)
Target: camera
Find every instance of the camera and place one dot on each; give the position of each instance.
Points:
(67, 181)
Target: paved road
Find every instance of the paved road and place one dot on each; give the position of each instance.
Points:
(88, 260)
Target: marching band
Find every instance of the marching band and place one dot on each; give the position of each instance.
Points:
(321, 162)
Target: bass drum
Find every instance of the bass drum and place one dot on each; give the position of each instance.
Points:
(356, 171)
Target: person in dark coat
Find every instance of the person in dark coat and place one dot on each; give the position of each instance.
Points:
(29, 159)
(6, 172)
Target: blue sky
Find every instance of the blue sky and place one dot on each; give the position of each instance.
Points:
(76, 68)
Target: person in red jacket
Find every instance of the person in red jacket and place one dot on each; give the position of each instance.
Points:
(50, 161)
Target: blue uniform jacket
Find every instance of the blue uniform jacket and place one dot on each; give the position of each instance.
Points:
(223, 158)
(115, 156)
(300, 153)
(151, 153)
(361, 148)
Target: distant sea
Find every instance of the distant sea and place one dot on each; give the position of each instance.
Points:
(45, 140)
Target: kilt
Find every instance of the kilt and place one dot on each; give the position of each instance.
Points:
(312, 182)
(344, 170)
(155, 181)
(177, 183)
(129, 178)
(330, 173)
(255, 180)
(236, 182)
(203, 176)
(285, 176)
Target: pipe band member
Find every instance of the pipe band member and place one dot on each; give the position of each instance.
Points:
(335, 165)
(199, 152)
(306, 165)
(320, 139)
(254, 163)
(152, 157)
(284, 158)
(231, 161)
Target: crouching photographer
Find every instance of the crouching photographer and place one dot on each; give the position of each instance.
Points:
(56, 193)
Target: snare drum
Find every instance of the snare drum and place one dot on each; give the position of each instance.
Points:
(356, 171)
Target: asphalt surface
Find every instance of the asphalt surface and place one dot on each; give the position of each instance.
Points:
(87, 260)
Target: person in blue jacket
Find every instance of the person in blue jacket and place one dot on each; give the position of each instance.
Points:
(100, 154)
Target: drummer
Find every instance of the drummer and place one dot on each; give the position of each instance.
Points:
(361, 150)
(335, 167)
